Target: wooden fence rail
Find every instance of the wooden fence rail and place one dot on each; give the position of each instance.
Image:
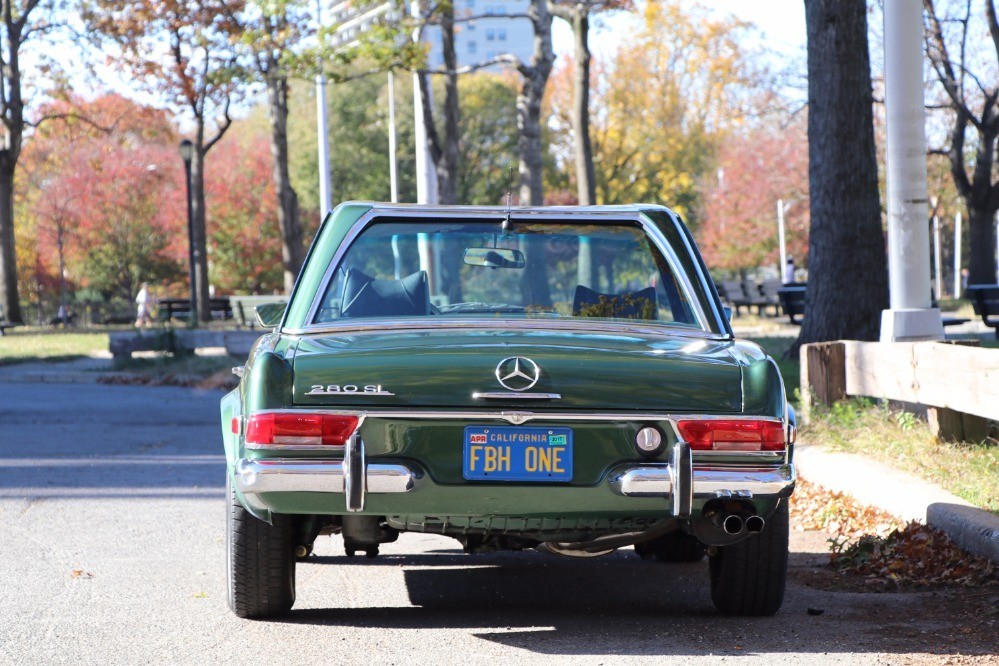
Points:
(958, 384)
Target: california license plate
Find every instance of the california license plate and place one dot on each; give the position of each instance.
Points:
(512, 453)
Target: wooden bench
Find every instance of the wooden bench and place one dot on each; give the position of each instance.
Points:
(985, 300)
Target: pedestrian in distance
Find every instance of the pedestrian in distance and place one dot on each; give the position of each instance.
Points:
(789, 271)
(143, 302)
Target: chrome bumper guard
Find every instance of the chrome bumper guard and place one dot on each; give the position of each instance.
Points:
(352, 476)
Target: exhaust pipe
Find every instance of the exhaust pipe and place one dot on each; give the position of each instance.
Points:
(730, 523)
(755, 524)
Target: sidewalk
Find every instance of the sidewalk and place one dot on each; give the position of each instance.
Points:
(902, 495)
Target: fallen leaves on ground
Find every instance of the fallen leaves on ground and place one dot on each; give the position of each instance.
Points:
(80, 573)
(875, 544)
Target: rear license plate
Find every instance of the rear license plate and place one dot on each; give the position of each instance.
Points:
(510, 453)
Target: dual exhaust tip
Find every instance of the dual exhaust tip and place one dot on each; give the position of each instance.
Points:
(734, 523)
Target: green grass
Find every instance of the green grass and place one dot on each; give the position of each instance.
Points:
(904, 442)
(20, 347)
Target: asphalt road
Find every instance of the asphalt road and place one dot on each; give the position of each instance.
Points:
(111, 552)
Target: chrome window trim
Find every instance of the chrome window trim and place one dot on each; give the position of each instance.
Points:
(536, 215)
(582, 326)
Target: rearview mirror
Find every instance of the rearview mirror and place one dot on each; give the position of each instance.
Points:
(269, 314)
(495, 257)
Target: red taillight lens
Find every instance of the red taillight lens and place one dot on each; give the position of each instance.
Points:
(303, 429)
(733, 435)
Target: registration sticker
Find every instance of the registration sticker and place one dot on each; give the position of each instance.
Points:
(513, 453)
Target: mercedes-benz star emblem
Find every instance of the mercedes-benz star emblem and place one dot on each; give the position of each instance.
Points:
(518, 373)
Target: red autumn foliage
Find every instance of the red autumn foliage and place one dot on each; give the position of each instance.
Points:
(739, 210)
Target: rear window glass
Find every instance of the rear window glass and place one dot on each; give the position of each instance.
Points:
(476, 269)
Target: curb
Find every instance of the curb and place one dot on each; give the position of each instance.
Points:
(902, 495)
(972, 529)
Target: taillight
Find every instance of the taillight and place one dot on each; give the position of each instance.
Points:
(299, 428)
(733, 435)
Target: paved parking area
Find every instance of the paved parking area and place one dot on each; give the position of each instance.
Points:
(111, 507)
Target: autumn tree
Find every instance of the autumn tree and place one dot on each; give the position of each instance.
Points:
(666, 98)
(962, 44)
(755, 167)
(23, 23)
(101, 195)
(271, 36)
(577, 14)
(242, 209)
(185, 51)
(848, 278)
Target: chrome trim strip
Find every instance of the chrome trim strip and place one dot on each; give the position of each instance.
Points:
(535, 215)
(516, 396)
(347, 326)
(327, 476)
(521, 416)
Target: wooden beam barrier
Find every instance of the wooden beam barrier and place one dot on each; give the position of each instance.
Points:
(960, 384)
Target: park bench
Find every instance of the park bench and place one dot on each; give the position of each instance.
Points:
(180, 308)
(792, 300)
(732, 293)
(243, 307)
(985, 300)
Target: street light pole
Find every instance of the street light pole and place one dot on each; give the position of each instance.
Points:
(187, 154)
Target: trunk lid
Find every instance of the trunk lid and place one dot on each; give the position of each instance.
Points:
(443, 368)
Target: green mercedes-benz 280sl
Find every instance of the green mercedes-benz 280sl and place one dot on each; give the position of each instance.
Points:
(559, 379)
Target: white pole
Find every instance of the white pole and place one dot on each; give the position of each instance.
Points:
(325, 193)
(957, 255)
(937, 259)
(780, 239)
(393, 176)
(426, 172)
(910, 316)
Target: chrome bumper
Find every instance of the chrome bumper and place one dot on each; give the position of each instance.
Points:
(678, 481)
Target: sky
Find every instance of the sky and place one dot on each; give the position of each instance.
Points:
(782, 23)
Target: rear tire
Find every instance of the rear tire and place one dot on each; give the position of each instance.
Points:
(260, 561)
(748, 577)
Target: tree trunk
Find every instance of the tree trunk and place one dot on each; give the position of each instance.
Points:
(447, 167)
(287, 210)
(982, 205)
(8, 256)
(848, 279)
(200, 234)
(532, 91)
(585, 187)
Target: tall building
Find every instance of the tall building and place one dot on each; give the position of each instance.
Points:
(491, 33)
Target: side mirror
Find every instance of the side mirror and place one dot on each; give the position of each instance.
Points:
(495, 257)
(269, 315)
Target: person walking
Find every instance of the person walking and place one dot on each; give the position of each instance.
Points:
(143, 302)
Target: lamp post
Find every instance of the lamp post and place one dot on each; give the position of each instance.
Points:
(186, 154)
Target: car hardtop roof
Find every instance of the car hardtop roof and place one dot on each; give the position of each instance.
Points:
(594, 214)
(410, 208)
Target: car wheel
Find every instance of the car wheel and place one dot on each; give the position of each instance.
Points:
(260, 561)
(677, 547)
(747, 578)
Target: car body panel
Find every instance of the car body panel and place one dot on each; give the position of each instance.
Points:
(612, 379)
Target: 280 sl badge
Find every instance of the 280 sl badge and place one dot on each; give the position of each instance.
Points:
(347, 389)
